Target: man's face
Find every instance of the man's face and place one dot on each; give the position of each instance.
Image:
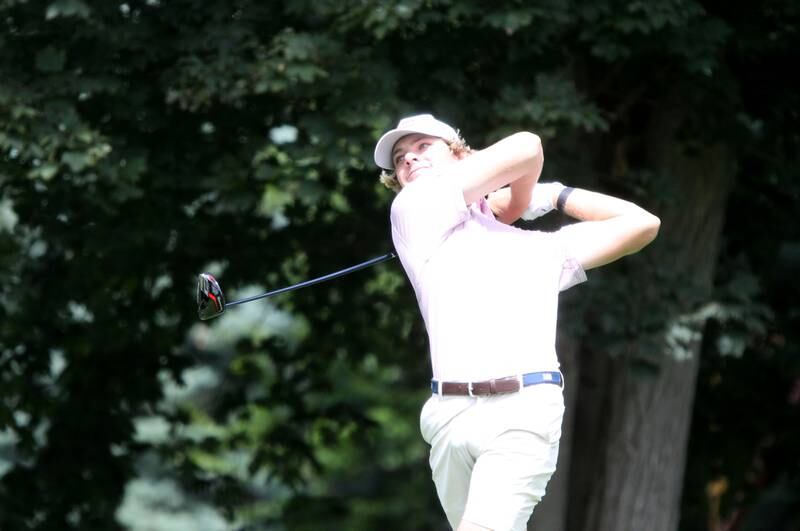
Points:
(417, 154)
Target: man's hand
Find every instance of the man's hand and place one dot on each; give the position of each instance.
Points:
(543, 200)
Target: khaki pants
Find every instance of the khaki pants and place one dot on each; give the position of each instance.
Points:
(492, 457)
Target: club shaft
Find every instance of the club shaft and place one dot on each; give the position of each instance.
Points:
(351, 269)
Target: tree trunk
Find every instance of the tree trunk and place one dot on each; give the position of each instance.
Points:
(632, 425)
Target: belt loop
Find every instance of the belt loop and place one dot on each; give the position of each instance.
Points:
(469, 388)
(521, 380)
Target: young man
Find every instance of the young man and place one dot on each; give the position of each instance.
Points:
(488, 293)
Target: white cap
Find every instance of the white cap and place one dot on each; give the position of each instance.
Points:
(425, 124)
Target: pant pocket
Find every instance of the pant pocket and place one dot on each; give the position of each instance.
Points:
(425, 420)
(539, 410)
(438, 412)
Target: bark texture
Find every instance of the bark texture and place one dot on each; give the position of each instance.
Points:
(632, 426)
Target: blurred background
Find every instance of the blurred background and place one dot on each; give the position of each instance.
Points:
(146, 141)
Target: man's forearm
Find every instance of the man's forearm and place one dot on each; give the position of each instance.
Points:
(516, 158)
(592, 206)
(609, 229)
(509, 203)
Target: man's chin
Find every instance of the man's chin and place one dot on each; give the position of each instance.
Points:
(416, 174)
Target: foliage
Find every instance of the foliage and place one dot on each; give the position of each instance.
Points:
(146, 141)
(743, 470)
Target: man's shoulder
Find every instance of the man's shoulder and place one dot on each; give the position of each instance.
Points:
(398, 201)
(413, 192)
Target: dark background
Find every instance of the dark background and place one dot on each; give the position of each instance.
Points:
(144, 142)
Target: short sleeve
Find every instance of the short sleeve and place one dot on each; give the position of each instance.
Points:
(572, 272)
(423, 214)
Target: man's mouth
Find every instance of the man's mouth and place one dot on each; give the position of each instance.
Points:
(416, 169)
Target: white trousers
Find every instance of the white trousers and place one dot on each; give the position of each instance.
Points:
(491, 457)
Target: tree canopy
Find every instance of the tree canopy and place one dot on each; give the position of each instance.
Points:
(146, 141)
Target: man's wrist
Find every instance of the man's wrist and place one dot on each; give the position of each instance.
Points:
(543, 199)
(555, 190)
(561, 201)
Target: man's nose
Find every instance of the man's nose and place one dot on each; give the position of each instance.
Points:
(409, 157)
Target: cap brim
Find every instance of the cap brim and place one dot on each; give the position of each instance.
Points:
(383, 149)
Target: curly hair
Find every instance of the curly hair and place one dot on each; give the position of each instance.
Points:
(458, 147)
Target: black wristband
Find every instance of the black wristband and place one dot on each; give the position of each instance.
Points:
(562, 197)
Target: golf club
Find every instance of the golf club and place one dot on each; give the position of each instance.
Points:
(211, 302)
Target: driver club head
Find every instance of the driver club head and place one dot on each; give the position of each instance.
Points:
(210, 300)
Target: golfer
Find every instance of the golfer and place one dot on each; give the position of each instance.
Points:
(488, 293)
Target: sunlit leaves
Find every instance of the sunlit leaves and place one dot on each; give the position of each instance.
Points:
(8, 218)
(511, 21)
(273, 204)
(67, 8)
(141, 142)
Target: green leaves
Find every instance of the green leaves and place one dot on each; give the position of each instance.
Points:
(67, 8)
(553, 103)
(50, 60)
(8, 217)
(140, 145)
(286, 61)
(622, 30)
(75, 161)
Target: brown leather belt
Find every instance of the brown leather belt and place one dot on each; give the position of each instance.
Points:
(509, 384)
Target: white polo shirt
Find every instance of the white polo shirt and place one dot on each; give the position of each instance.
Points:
(488, 292)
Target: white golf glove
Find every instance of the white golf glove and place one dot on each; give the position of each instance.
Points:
(543, 199)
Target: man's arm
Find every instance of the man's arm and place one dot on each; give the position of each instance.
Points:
(515, 161)
(542, 201)
(502, 205)
(610, 228)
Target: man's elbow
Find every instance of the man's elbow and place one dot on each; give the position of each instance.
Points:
(530, 145)
(649, 226)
